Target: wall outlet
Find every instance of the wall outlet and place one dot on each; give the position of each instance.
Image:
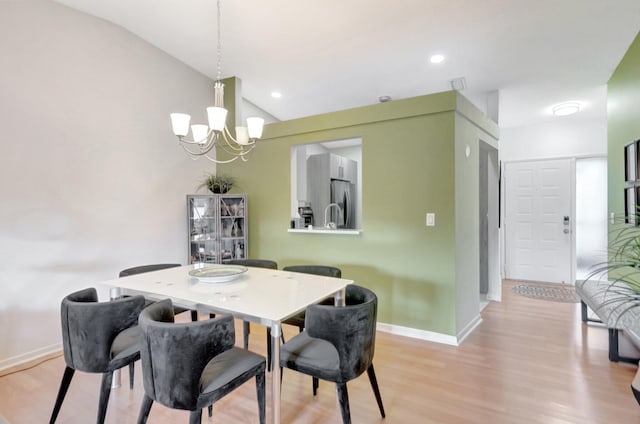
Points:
(431, 219)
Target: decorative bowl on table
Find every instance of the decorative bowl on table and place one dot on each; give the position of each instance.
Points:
(218, 273)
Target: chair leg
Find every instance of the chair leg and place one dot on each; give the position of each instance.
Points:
(105, 391)
(376, 390)
(315, 385)
(260, 390)
(269, 349)
(145, 408)
(245, 331)
(636, 394)
(132, 368)
(194, 315)
(635, 385)
(343, 399)
(62, 392)
(195, 417)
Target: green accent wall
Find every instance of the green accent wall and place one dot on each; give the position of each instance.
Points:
(623, 121)
(408, 169)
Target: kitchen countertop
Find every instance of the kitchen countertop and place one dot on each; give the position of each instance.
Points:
(324, 231)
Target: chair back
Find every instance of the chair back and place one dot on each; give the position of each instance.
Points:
(174, 355)
(256, 263)
(89, 327)
(351, 329)
(145, 268)
(327, 271)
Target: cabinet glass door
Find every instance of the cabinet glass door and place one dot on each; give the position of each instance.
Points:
(203, 229)
(233, 230)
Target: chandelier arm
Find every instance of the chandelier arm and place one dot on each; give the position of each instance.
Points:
(227, 136)
(211, 139)
(221, 161)
(202, 152)
(197, 155)
(237, 152)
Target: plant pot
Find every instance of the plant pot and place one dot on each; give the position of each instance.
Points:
(218, 190)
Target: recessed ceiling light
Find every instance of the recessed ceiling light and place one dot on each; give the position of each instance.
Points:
(436, 58)
(566, 108)
(276, 94)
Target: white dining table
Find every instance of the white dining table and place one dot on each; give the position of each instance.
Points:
(259, 295)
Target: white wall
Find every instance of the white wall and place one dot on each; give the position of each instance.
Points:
(91, 178)
(566, 137)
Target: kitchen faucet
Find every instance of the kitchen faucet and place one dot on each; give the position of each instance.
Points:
(331, 225)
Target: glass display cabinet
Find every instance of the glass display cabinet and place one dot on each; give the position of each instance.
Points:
(217, 228)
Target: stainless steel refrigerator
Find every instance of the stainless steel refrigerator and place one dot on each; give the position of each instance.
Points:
(343, 193)
(332, 179)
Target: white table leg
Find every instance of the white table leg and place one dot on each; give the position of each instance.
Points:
(276, 330)
(340, 297)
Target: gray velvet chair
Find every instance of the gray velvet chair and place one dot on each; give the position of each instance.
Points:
(156, 267)
(190, 366)
(327, 271)
(337, 344)
(246, 329)
(98, 337)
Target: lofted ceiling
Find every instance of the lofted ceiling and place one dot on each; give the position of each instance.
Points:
(331, 55)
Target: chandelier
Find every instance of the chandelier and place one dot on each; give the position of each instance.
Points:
(206, 137)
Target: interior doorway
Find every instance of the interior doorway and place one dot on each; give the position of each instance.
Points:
(489, 192)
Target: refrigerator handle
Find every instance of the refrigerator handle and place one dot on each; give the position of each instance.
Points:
(345, 212)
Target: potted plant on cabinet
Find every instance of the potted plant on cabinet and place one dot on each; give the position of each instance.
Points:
(218, 183)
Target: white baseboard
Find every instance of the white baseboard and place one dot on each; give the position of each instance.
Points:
(34, 355)
(469, 328)
(414, 333)
(431, 336)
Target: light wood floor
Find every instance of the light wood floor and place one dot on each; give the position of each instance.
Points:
(530, 361)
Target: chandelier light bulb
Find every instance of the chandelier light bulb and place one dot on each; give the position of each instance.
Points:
(254, 127)
(217, 117)
(200, 133)
(180, 123)
(242, 135)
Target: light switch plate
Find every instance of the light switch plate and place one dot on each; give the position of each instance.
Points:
(431, 219)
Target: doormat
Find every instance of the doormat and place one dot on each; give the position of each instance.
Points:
(552, 293)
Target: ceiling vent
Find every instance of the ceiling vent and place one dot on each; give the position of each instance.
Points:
(458, 83)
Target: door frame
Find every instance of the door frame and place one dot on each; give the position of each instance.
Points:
(572, 203)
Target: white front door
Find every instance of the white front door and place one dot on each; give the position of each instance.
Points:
(538, 220)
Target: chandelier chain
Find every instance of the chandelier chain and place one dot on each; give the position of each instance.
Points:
(219, 45)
